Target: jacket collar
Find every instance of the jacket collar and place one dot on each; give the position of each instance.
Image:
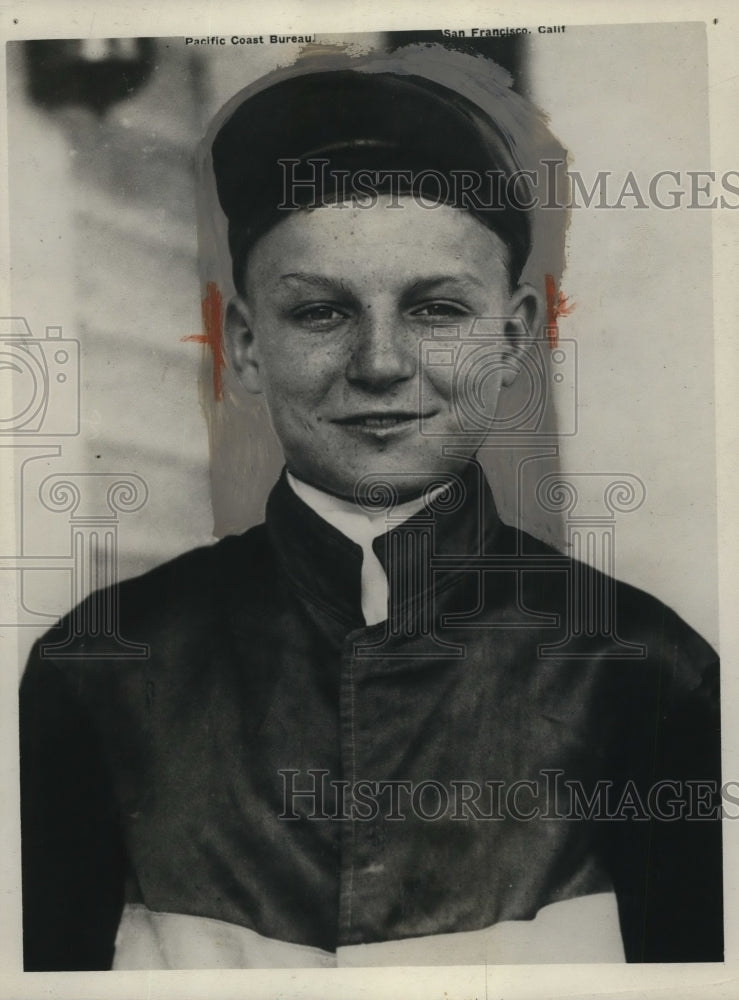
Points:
(325, 565)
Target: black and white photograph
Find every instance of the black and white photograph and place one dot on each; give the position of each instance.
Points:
(363, 565)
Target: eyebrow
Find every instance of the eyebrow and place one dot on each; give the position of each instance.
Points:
(423, 284)
(428, 284)
(317, 281)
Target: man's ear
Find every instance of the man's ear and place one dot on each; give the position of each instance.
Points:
(525, 316)
(240, 344)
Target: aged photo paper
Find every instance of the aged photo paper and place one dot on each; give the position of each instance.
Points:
(514, 282)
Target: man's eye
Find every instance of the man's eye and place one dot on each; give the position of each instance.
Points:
(318, 315)
(437, 310)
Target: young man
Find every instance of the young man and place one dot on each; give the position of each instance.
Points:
(383, 727)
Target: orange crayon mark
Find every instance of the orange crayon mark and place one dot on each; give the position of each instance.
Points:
(557, 305)
(212, 310)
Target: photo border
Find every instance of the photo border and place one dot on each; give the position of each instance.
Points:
(72, 19)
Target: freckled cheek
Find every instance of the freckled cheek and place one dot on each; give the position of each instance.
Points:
(298, 394)
(439, 383)
(304, 375)
(293, 369)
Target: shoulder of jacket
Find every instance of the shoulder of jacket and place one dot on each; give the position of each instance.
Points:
(182, 596)
(639, 612)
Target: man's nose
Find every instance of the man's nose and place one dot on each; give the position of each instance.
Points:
(384, 352)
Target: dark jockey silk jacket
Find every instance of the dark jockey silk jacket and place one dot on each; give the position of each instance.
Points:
(522, 731)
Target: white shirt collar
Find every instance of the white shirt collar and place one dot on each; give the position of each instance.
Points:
(362, 527)
(349, 518)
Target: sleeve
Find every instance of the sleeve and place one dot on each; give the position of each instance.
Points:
(666, 850)
(73, 860)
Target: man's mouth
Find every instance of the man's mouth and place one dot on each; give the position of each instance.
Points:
(389, 420)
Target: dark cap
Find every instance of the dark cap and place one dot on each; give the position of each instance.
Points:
(295, 143)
